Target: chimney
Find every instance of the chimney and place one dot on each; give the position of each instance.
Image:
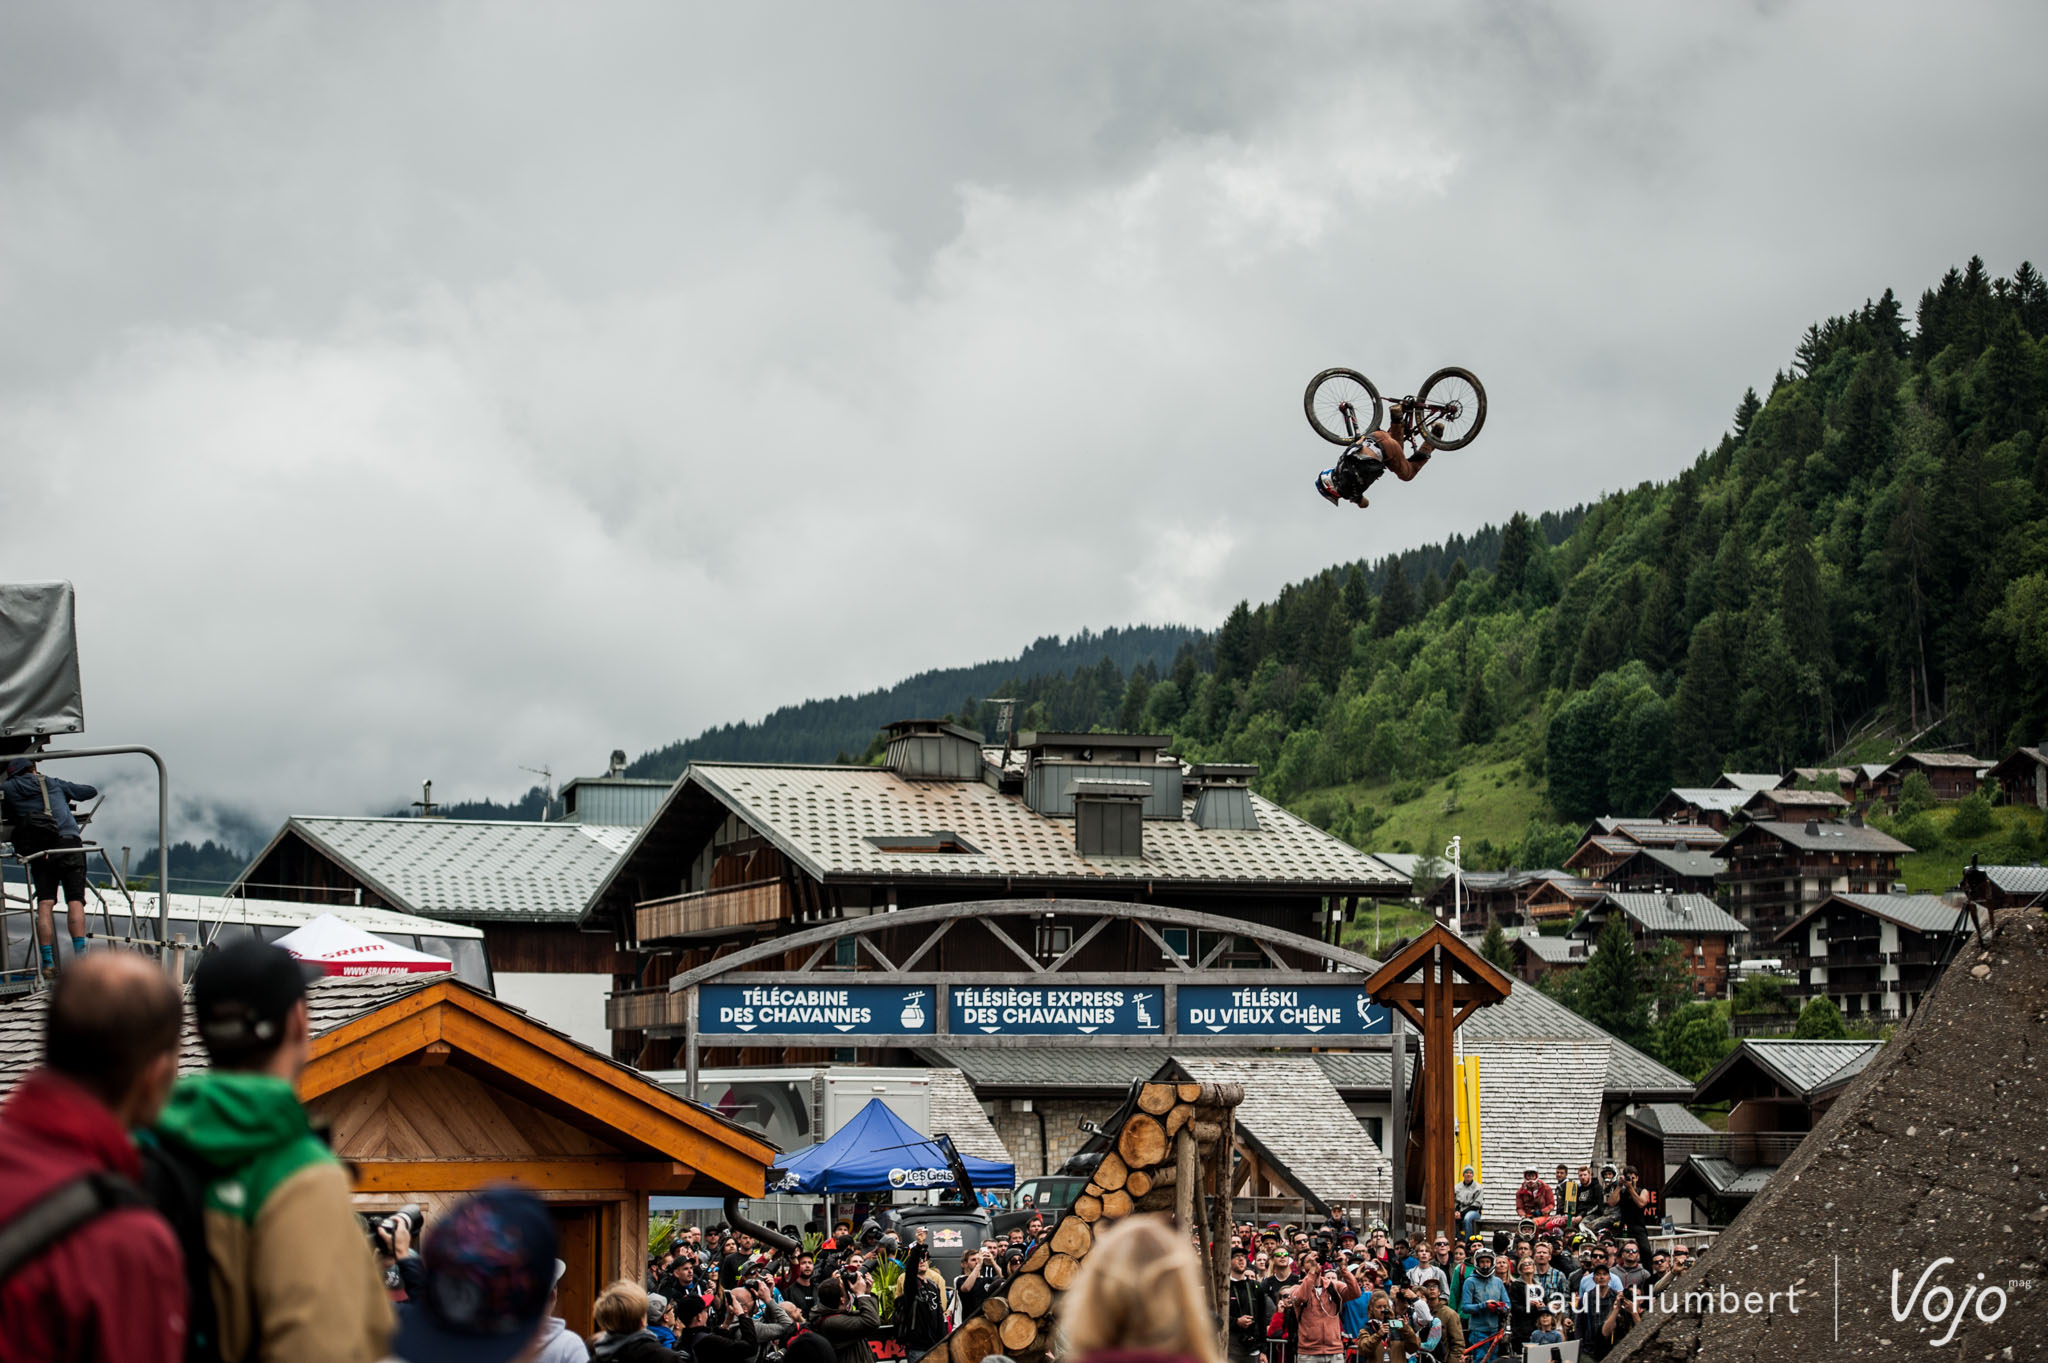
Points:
(1855, 819)
(1223, 796)
(618, 764)
(933, 750)
(1812, 828)
(1109, 817)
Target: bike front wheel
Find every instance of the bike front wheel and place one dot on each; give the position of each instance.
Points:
(1342, 405)
(1453, 402)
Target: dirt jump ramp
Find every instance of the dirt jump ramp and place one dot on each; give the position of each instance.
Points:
(1913, 1221)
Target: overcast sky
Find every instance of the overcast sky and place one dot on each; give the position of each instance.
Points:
(427, 389)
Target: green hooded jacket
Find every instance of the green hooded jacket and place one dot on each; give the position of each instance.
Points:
(293, 1275)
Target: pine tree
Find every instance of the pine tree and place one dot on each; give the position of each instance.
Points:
(1357, 595)
(1494, 947)
(1612, 994)
(1432, 590)
(1745, 412)
(1459, 572)
(1475, 716)
(1517, 547)
(1234, 645)
(1397, 604)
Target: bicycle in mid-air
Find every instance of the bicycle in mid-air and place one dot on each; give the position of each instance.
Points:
(1344, 407)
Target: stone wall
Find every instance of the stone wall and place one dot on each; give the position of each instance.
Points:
(1063, 1134)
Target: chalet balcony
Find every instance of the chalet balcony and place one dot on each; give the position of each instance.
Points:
(1745, 1149)
(633, 1010)
(714, 913)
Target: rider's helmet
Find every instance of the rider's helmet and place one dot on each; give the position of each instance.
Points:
(1326, 484)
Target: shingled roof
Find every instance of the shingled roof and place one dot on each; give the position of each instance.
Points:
(825, 819)
(1293, 1116)
(1689, 865)
(330, 1002)
(1539, 1107)
(468, 870)
(956, 1111)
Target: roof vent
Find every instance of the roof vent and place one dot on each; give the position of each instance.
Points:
(1681, 846)
(933, 750)
(1055, 763)
(1812, 828)
(1109, 817)
(618, 763)
(1223, 796)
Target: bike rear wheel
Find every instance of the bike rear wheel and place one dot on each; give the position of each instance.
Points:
(1454, 400)
(1330, 394)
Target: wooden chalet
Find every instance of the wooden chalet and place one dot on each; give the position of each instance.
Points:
(1953, 775)
(1608, 842)
(1704, 930)
(2005, 887)
(430, 1089)
(1664, 870)
(1714, 806)
(742, 852)
(1873, 955)
(1537, 955)
(2022, 778)
(1790, 803)
(1561, 899)
(1778, 1089)
(1778, 870)
(523, 884)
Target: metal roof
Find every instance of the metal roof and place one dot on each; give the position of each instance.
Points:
(1400, 863)
(822, 817)
(1827, 837)
(468, 869)
(1539, 1106)
(2018, 879)
(1920, 912)
(1669, 1119)
(1716, 798)
(1751, 780)
(1690, 864)
(1720, 1177)
(287, 913)
(1682, 914)
(1554, 950)
(1804, 1068)
(1293, 1115)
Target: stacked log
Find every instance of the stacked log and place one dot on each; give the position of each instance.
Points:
(1171, 1154)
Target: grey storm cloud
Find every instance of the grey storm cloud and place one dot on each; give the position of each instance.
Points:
(438, 389)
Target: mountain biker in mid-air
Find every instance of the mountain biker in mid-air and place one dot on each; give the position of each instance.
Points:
(1362, 464)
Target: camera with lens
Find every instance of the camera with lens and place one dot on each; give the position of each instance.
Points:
(383, 1231)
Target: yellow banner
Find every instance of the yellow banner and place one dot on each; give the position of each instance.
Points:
(1466, 1097)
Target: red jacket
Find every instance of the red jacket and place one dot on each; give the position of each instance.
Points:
(113, 1291)
(1533, 1202)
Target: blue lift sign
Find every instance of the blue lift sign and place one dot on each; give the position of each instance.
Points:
(784, 1009)
(1253, 1010)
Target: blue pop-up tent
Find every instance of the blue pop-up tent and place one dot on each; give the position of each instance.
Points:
(875, 1150)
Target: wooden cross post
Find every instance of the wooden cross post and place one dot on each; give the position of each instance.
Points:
(1435, 982)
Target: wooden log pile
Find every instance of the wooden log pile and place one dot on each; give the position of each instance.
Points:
(1171, 1154)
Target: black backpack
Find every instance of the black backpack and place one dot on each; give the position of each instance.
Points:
(176, 1181)
(64, 1209)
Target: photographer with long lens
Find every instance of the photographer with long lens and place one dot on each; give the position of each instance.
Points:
(848, 1317)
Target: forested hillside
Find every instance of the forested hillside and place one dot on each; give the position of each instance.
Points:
(1859, 561)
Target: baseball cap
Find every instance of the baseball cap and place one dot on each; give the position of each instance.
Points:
(242, 993)
(490, 1267)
